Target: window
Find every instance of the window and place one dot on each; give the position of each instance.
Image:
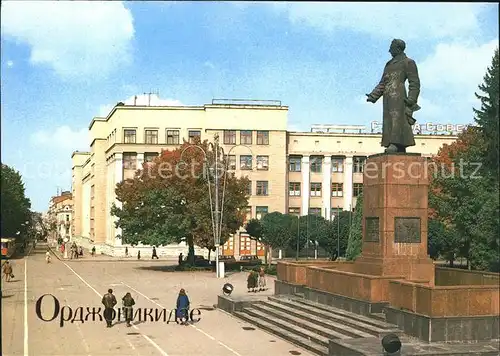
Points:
(229, 137)
(129, 136)
(315, 189)
(231, 162)
(246, 162)
(262, 187)
(260, 211)
(263, 137)
(150, 156)
(337, 164)
(294, 211)
(262, 163)
(249, 188)
(294, 163)
(316, 162)
(246, 137)
(357, 189)
(294, 189)
(315, 211)
(247, 214)
(67, 217)
(337, 189)
(151, 137)
(173, 137)
(194, 136)
(358, 164)
(130, 160)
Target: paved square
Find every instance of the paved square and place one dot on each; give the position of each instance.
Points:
(82, 283)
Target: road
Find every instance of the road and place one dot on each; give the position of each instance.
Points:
(82, 284)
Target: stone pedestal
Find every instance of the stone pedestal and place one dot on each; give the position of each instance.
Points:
(395, 199)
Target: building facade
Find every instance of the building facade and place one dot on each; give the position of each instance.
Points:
(60, 217)
(318, 172)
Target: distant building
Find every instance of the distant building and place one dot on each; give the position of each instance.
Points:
(318, 172)
(60, 216)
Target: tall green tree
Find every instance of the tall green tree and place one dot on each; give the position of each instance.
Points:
(465, 191)
(15, 206)
(487, 116)
(173, 198)
(336, 233)
(443, 241)
(274, 230)
(355, 240)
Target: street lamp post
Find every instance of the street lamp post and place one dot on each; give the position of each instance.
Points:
(218, 210)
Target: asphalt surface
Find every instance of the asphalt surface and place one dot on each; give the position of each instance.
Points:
(77, 284)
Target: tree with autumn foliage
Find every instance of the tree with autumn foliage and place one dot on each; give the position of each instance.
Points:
(172, 199)
(464, 194)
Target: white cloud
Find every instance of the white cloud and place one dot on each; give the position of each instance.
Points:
(75, 38)
(209, 65)
(400, 20)
(63, 137)
(10, 64)
(457, 66)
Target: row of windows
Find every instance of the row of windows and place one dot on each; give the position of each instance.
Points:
(246, 161)
(313, 211)
(316, 188)
(130, 159)
(260, 211)
(173, 137)
(316, 164)
(246, 137)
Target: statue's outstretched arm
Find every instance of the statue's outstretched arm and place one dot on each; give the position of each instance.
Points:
(378, 91)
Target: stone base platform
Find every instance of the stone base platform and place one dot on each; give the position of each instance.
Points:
(410, 347)
(327, 330)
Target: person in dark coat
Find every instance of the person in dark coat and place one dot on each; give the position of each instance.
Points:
(154, 253)
(398, 107)
(109, 302)
(128, 303)
(182, 308)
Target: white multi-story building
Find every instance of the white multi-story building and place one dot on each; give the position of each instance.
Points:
(317, 172)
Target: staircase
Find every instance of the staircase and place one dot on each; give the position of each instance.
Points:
(311, 325)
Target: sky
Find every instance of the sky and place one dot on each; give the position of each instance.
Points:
(62, 63)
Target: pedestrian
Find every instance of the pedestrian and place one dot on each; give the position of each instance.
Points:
(180, 259)
(139, 254)
(154, 253)
(182, 309)
(47, 256)
(93, 251)
(252, 281)
(109, 302)
(128, 303)
(126, 251)
(262, 279)
(7, 271)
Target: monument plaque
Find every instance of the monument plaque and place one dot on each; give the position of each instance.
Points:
(406, 230)
(372, 230)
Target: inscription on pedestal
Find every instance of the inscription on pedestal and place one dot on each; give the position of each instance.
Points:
(406, 230)
(372, 231)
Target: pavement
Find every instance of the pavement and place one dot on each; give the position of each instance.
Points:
(152, 285)
(87, 257)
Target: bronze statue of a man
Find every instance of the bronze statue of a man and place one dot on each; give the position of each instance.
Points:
(398, 108)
